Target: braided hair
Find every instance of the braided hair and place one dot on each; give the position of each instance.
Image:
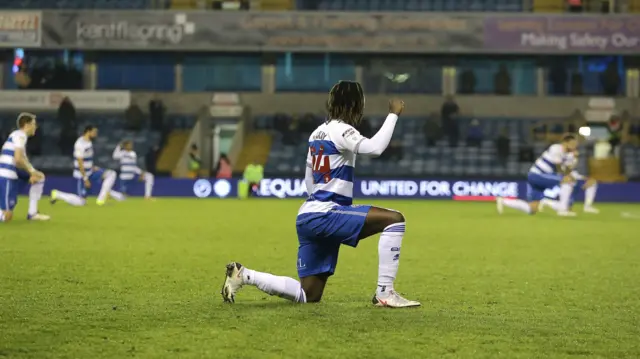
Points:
(346, 102)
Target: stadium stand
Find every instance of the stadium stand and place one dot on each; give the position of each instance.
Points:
(630, 153)
(76, 4)
(315, 72)
(417, 158)
(413, 5)
(631, 160)
(542, 6)
(111, 132)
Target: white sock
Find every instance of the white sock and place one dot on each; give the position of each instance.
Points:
(118, 196)
(1, 216)
(590, 195)
(566, 190)
(283, 287)
(107, 184)
(518, 204)
(148, 184)
(555, 205)
(35, 193)
(389, 256)
(71, 198)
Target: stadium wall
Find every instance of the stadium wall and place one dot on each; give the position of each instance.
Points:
(424, 189)
(417, 105)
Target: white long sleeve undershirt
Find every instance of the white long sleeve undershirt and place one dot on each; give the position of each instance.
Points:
(117, 153)
(376, 145)
(308, 180)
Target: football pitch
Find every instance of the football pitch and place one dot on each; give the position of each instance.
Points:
(142, 280)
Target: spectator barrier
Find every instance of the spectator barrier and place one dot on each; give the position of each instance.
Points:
(452, 189)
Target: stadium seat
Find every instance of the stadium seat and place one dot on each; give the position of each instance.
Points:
(361, 5)
(412, 5)
(441, 159)
(350, 5)
(75, 4)
(336, 5)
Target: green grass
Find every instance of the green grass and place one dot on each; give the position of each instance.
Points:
(140, 279)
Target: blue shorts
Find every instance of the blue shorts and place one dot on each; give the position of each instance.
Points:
(321, 234)
(127, 185)
(574, 195)
(537, 183)
(23, 179)
(8, 194)
(95, 178)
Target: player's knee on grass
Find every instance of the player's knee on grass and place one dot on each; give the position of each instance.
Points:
(313, 288)
(533, 207)
(314, 297)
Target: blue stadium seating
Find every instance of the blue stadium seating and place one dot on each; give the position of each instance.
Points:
(440, 160)
(417, 159)
(111, 132)
(75, 4)
(631, 161)
(413, 5)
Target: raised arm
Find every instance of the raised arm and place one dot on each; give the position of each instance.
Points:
(351, 140)
(117, 153)
(377, 144)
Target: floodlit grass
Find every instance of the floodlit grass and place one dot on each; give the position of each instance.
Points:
(139, 279)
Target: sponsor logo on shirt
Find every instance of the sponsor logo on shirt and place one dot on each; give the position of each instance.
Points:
(349, 132)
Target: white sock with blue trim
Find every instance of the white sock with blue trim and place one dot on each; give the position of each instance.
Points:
(518, 204)
(283, 287)
(389, 256)
(107, 184)
(566, 190)
(118, 196)
(148, 184)
(555, 205)
(35, 193)
(590, 195)
(70, 198)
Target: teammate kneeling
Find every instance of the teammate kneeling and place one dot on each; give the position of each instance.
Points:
(129, 170)
(544, 175)
(36, 187)
(588, 185)
(15, 167)
(328, 218)
(88, 176)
